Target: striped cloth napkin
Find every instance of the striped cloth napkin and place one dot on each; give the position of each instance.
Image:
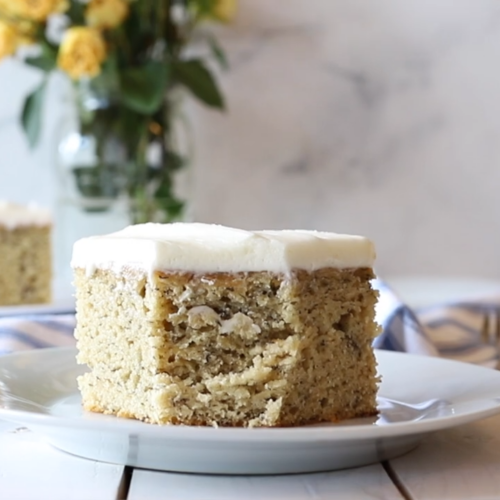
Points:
(451, 330)
(20, 333)
(447, 330)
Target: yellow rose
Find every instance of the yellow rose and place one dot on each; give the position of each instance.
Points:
(106, 14)
(224, 10)
(25, 31)
(6, 7)
(8, 40)
(62, 5)
(82, 52)
(36, 10)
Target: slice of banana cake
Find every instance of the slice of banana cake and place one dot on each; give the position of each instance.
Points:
(25, 254)
(201, 324)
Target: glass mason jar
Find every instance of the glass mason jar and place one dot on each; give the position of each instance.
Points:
(117, 167)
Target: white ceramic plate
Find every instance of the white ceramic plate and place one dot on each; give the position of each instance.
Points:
(418, 395)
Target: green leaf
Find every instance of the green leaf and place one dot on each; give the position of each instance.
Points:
(76, 12)
(143, 87)
(202, 7)
(195, 76)
(218, 52)
(40, 62)
(129, 126)
(164, 190)
(107, 81)
(171, 207)
(174, 161)
(47, 59)
(32, 114)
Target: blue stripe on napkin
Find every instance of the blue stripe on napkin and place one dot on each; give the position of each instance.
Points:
(449, 330)
(19, 333)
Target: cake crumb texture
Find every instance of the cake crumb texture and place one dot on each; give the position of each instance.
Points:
(228, 349)
(25, 265)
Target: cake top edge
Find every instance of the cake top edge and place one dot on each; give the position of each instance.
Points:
(14, 215)
(200, 247)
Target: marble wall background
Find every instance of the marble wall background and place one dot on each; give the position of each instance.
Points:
(380, 118)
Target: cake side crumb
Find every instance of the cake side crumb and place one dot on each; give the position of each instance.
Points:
(228, 349)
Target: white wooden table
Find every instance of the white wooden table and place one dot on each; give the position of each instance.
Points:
(459, 463)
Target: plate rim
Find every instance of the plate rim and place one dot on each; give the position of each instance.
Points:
(326, 433)
(63, 306)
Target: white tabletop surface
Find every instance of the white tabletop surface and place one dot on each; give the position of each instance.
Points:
(459, 463)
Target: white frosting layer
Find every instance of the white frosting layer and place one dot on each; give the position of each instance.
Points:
(13, 215)
(211, 248)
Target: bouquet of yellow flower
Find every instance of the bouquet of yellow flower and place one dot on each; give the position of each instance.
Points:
(125, 58)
